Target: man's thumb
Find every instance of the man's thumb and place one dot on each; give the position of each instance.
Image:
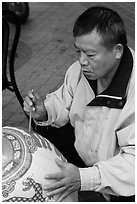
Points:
(60, 163)
(38, 100)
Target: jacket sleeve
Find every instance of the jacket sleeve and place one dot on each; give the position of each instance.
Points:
(58, 103)
(116, 175)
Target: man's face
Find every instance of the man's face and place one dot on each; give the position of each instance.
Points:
(96, 61)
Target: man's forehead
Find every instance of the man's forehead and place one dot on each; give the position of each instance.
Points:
(88, 41)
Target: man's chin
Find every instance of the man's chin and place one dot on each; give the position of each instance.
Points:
(90, 77)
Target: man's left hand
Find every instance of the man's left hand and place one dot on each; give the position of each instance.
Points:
(67, 181)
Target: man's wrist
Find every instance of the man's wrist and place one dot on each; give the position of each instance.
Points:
(43, 117)
(42, 121)
(90, 178)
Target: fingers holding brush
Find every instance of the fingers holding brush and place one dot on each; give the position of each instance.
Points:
(34, 103)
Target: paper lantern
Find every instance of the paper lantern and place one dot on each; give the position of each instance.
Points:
(26, 159)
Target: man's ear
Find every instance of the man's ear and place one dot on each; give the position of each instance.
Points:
(119, 50)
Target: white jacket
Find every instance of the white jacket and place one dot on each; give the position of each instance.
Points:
(104, 126)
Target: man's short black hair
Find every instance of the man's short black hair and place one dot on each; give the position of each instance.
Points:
(107, 23)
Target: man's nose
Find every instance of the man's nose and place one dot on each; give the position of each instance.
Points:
(82, 59)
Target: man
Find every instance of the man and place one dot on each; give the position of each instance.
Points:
(97, 98)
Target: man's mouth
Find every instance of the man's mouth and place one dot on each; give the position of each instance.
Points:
(87, 72)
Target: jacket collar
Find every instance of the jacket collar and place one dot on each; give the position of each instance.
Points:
(115, 95)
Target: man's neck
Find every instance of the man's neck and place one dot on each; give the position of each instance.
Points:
(103, 83)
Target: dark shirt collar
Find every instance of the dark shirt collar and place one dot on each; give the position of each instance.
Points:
(116, 92)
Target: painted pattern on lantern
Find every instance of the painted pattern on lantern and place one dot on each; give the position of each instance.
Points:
(19, 148)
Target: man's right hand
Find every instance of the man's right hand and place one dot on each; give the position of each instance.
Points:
(35, 103)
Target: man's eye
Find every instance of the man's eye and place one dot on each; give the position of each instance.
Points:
(90, 56)
(77, 50)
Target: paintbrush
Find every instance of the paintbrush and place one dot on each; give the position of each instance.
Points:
(30, 114)
(30, 120)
